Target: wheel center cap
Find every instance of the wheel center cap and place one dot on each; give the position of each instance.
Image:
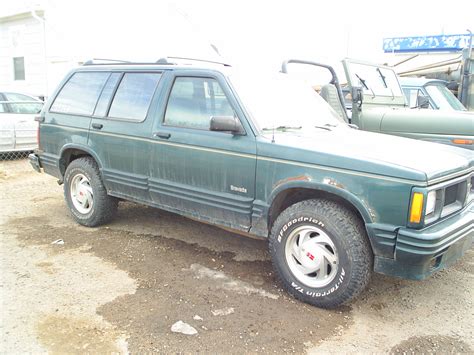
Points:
(310, 255)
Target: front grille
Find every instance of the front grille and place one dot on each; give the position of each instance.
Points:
(450, 194)
(454, 197)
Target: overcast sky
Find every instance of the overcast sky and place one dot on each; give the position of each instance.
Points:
(256, 33)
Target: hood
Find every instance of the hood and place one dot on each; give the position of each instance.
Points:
(374, 153)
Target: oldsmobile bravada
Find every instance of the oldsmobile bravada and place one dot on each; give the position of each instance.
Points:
(264, 156)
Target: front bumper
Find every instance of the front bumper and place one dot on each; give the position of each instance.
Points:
(35, 162)
(419, 253)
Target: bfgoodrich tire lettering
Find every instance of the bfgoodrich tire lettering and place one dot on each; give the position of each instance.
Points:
(83, 178)
(331, 240)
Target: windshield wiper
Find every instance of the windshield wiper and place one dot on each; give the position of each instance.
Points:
(362, 81)
(385, 82)
(280, 128)
(323, 127)
(383, 78)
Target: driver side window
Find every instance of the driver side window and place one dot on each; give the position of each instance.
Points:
(193, 101)
(413, 96)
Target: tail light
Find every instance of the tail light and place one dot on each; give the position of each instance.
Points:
(38, 119)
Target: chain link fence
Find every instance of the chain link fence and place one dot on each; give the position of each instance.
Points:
(4, 156)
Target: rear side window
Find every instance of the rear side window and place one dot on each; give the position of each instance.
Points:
(79, 95)
(106, 95)
(133, 96)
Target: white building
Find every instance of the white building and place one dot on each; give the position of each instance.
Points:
(29, 60)
(40, 43)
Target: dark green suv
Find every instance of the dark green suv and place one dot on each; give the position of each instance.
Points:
(264, 155)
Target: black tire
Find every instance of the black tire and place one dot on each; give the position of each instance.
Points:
(346, 231)
(103, 208)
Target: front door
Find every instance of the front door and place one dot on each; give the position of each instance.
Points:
(197, 172)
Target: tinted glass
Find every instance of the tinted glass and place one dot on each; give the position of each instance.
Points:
(193, 101)
(134, 95)
(80, 94)
(107, 92)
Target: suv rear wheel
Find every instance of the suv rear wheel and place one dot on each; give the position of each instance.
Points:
(86, 195)
(321, 252)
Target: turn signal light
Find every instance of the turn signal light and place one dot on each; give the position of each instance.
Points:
(463, 141)
(416, 207)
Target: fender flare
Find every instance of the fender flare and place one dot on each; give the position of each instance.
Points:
(346, 195)
(80, 147)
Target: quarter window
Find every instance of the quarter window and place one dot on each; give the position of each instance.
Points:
(193, 101)
(133, 96)
(79, 95)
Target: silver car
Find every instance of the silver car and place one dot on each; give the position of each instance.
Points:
(17, 125)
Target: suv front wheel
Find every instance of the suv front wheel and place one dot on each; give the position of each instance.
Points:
(321, 252)
(86, 195)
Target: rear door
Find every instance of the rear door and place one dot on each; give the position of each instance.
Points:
(120, 132)
(68, 117)
(205, 174)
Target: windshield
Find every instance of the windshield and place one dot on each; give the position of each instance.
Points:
(282, 102)
(443, 98)
(374, 80)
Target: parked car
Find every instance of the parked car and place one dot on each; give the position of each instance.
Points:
(17, 125)
(379, 105)
(433, 92)
(264, 156)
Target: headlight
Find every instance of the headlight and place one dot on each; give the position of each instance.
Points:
(424, 207)
(430, 202)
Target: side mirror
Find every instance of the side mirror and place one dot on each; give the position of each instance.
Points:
(423, 101)
(226, 124)
(357, 96)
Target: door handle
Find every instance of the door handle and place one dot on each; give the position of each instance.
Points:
(97, 125)
(163, 135)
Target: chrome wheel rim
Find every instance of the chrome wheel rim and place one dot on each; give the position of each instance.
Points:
(311, 256)
(81, 193)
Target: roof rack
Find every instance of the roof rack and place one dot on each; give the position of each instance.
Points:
(161, 61)
(201, 60)
(92, 61)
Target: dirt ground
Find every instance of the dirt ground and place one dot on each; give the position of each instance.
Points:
(120, 288)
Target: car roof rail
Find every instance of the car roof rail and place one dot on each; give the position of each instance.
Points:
(114, 61)
(161, 61)
(199, 60)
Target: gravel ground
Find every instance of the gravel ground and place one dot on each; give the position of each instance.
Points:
(120, 288)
